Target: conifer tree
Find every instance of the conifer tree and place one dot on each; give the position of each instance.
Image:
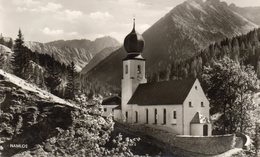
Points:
(53, 80)
(2, 40)
(70, 88)
(20, 57)
(10, 43)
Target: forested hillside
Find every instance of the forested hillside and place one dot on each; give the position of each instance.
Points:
(41, 69)
(244, 49)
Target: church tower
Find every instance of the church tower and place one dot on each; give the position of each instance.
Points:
(133, 66)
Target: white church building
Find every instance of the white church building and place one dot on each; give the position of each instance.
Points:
(180, 106)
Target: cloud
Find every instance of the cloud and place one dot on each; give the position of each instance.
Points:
(73, 33)
(100, 15)
(52, 32)
(72, 14)
(51, 7)
(55, 9)
(131, 3)
(25, 2)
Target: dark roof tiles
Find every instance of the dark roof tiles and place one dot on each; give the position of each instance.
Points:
(162, 93)
(114, 100)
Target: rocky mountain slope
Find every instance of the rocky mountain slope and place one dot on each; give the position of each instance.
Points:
(179, 35)
(93, 47)
(29, 115)
(251, 13)
(79, 51)
(31, 90)
(64, 55)
(5, 57)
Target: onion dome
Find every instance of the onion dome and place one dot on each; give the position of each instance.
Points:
(134, 42)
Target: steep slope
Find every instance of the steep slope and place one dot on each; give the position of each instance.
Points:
(190, 27)
(28, 114)
(79, 51)
(98, 58)
(64, 55)
(179, 35)
(30, 89)
(92, 47)
(251, 13)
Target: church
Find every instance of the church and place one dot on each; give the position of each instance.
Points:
(178, 106)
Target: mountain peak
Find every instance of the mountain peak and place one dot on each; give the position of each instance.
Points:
(178, 36)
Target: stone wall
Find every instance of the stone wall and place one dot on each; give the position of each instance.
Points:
(188, 145)
(210, 145)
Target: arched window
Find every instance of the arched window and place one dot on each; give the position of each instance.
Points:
(174, 115)
(155, 116)
(126, 69)
(147, 116)
(139, 69)
(136, 116)
(164, 116)
(126, 115)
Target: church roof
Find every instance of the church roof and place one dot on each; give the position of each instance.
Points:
(113, 100)
(162, 93)
(199, 119)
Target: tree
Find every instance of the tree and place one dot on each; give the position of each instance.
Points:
(70, 88)
(10, 43)
(52, 80)
(230, 88)
(20, 57)
(2, 41)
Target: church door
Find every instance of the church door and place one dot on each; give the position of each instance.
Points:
(205, 130)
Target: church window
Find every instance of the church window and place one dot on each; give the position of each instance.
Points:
(190, 104)
(126, 115)
(164, 116)
(196, 87)
(136, 116)
(155, 116)
(147, 116)
(202, 104)
(126, 69)
(139, 69)
(105, 109)
(174, 115)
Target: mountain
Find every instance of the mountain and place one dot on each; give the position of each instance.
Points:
(251, 13)
(98, 58)
(91, 46)
(64, 55)
(179, 35)
(79, 51)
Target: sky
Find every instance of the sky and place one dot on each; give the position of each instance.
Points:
(48, 20)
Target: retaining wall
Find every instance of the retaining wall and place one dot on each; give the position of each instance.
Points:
(199, 145)
(210, 145)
